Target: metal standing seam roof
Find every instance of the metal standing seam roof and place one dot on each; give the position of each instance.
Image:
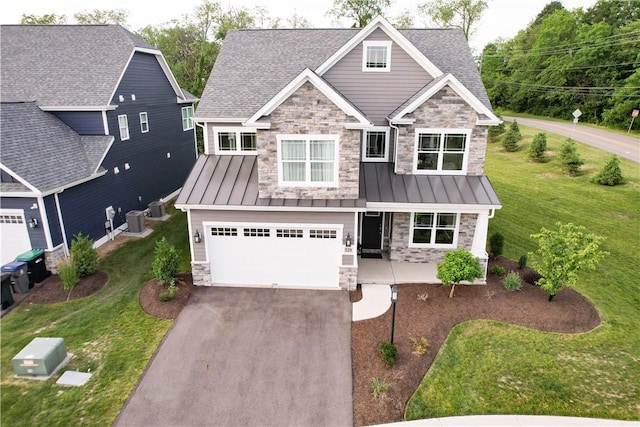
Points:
(379, 184)
(254, 65)
(64, 65)
(232, 182)
(43, 150)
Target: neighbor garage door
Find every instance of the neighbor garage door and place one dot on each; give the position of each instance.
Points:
(283, 255)
(13, 234)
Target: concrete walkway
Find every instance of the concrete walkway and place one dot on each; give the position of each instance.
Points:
(514, 421)
(376, 300)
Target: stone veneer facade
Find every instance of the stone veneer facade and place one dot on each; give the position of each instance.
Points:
(445, 109)
(309, 111)
(399, 248)
(53, 257)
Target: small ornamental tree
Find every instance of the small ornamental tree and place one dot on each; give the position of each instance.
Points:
(68, 273)
(513, 127)
(166, 261)
(457, 266)
(83, 255)
(569, 158)
(562, 254)
(510, 141)
(610, 173)
(538, 147)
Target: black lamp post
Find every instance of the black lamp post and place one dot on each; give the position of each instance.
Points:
(394, 299)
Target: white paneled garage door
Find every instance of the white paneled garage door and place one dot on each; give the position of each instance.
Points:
(267, 254)
(13, 235)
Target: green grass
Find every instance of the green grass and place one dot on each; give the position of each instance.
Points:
(108, 334)
(486, 367)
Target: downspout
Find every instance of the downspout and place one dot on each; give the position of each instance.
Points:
(61, 222)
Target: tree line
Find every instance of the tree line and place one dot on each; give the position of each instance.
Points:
(568, 59)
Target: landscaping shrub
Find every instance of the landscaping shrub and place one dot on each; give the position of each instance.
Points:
(378, 387)
(538, 147)
(510, 141)
(496, 244)
(498, 270)
(459, 265)
(569, 158)
(514, 128)
(522, 262)
(83, 255)
(170, 292)
(512, 281)
(420, 345)
(69, 277)
(388, 352)
(166, 261)
(494, 132)
(610, 173)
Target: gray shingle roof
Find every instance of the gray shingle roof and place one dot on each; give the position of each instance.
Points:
(254, 65)
(64, 65)
(43, 150)
(379, 184)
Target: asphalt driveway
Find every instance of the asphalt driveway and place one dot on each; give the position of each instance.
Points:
(251, 357)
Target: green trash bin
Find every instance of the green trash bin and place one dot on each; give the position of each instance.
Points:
(36, 267)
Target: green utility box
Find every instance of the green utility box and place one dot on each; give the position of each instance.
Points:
(40, 357)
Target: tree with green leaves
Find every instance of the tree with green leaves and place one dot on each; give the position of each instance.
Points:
(166, 261)
(538, 148)
(361, 11)
(510, 141)
(96, 16)
(455, 13)
(610, 173)
(404, 20)
(458, 266)
(46, 19)
(569, 158)
(83, 255)
(562, 254)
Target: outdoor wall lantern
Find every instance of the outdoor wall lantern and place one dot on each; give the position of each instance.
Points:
(394, 299)
(197, 237)
(348, 241)
(33, 223)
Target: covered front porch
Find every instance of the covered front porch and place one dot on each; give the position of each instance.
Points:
(382, 271)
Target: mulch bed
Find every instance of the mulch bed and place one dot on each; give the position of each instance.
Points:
(149, 297)
(433, 319)
(50, 290)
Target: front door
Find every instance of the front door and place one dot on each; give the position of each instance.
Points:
(372, 231)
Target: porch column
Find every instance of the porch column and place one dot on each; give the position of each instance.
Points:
(479, 245)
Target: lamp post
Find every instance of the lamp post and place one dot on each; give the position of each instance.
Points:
(394, 299)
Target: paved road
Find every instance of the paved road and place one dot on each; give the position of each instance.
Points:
(621, 145)
(250, 357)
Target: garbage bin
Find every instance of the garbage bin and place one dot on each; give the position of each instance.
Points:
(19, 277)
(5, 291)
(36, 267)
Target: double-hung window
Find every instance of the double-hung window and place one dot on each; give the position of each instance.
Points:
(187, 118)
(376, 56)
(433, 229)
(123, 125)
(308, 160)
(441, 151)
(235, 141)
(375, 144)
(144, 122)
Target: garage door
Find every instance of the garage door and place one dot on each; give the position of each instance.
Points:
(13, 234)
(267, 255)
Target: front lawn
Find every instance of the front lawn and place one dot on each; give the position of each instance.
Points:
(108, 334)
(489, 368)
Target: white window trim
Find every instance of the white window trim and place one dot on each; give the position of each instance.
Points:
(453, 245)
(124, 130)
(237, 131)
(371, 43)
(145, 121)
(307, 138)
(189, 118)
(387, 132)
(439, 170)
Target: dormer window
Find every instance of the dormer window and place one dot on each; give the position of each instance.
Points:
(235, 141)
(376, 56)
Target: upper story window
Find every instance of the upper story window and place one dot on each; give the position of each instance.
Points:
(441, 151)
(123, 125)
(187, 118)
(144, 122)
(433, 229)
(308, 160)
(235, 141)
(375, 144)
(376, 55)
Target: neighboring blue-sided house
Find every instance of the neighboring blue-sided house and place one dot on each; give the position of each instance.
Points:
(93, 125)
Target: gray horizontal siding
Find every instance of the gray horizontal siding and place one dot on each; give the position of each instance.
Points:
(200, 216)
(377, 94)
